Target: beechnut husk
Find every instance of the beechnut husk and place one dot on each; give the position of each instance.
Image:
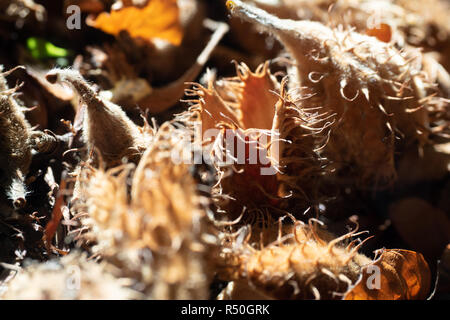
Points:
(242, 184)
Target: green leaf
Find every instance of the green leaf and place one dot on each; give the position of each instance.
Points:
(43, 49)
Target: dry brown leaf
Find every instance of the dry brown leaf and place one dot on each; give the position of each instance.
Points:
(405, 275)
(158, 19)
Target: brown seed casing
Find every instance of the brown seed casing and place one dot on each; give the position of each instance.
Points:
(304, 262)
(377, 92)
(154, 231)
(106, 126)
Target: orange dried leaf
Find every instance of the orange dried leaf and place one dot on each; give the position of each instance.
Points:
(158, 19)
(382, 32)
(403, 275)
(52, 225)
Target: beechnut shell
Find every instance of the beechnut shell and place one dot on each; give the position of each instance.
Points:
(107, 129)
(304, 263)
(377, 93)
(329, 118)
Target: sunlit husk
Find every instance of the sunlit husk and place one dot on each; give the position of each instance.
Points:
(414, 22)
(107, 130)
(304, 262)
(151, 222)
(377, 92)
(256, 110)
(72, 277)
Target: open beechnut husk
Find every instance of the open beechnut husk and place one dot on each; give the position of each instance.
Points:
(307, 262)
(150, 222)
(381, 98)
(349, 105)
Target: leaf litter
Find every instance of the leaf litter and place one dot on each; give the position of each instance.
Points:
(345, 105)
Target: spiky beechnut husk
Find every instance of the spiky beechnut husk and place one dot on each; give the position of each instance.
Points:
(413, 22)
(261, 143)
(150, 222)
(378, 93)
(15, 157)
(73, 277)
(403, 23)
(304, 262)
(18, 143)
